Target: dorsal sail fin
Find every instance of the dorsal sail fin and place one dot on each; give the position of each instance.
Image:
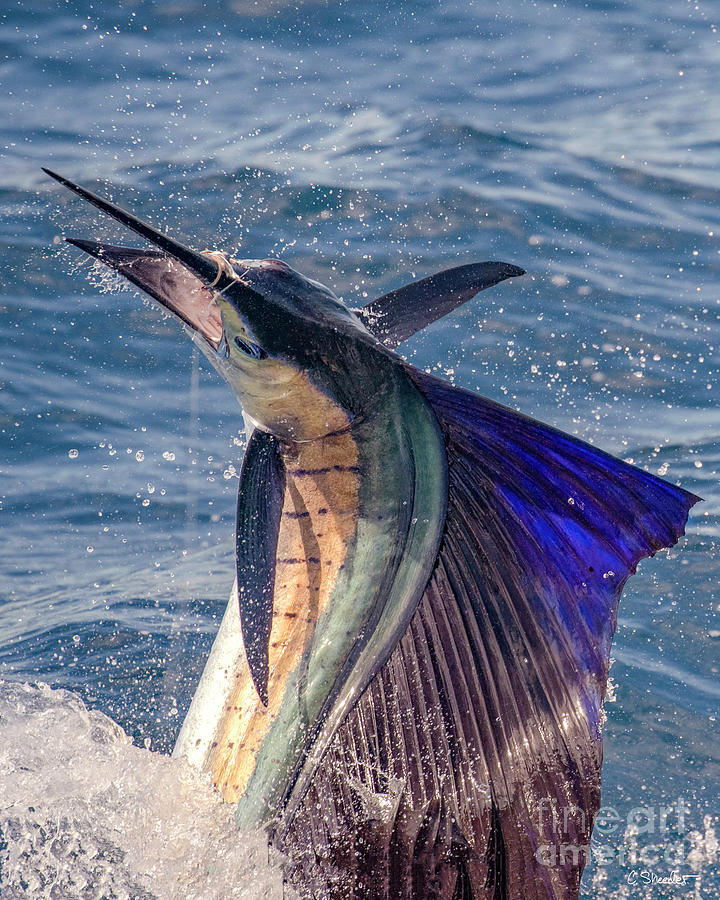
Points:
(542, 532)
(396, 316)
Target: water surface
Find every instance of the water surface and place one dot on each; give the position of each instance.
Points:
(367, 144)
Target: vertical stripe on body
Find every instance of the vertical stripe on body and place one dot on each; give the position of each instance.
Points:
(319, 519)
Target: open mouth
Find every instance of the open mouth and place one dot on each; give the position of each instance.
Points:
(182, 280)
(165, 280)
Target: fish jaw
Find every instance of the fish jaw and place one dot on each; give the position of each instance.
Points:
(166, 280)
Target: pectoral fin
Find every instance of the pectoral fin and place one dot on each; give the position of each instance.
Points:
(259, 510)
(396, 316)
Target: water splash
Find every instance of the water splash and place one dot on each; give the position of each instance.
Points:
(84, 813)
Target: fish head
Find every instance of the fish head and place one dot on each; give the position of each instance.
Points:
(299, 361)
(301, 364)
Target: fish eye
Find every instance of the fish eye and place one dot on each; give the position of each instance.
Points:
(249, 349)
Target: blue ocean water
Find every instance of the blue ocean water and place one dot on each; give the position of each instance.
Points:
(367, 144)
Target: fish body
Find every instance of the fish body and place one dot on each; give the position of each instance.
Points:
(406, 690)
(360, 526)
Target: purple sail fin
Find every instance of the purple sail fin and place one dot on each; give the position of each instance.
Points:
(541, 534)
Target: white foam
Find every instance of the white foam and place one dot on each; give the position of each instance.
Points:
(85, 813)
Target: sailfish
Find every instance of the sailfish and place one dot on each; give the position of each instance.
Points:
(406, 690)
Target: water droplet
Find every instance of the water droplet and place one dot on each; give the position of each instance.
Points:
(169, 455)
(73, 454)
(140, 456)
(90, 549)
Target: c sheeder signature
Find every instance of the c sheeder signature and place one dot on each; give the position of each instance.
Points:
(645, 877)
